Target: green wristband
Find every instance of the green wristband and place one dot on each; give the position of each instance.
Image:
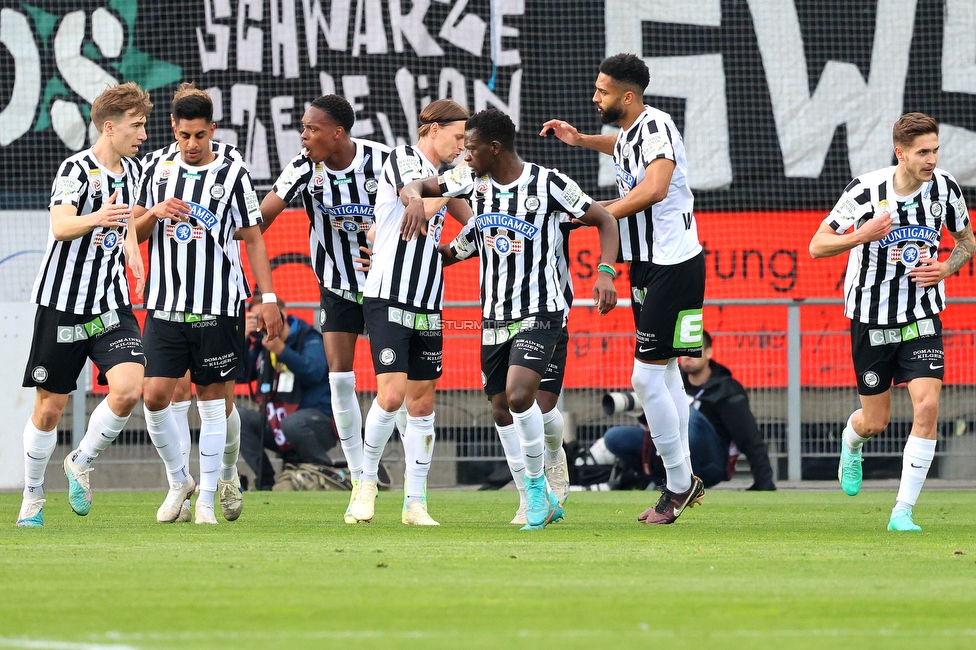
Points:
(606, 268)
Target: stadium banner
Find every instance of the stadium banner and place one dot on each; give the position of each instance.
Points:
(781, 102)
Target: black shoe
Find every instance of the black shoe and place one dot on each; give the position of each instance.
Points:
(765, 487)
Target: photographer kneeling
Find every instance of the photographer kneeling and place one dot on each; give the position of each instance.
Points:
(720, 426)
(292, 378)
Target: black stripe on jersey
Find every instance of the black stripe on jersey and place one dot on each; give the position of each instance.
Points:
(866, 249)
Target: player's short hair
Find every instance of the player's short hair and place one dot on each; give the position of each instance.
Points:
(493, 126)
(191, 103)
(338, 109)
(443, 112)
(116, 102)
(911, 125)
(627, 69)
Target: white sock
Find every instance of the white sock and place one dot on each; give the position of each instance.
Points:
(662, 419)
(552, 423)
(379, 428)
(852, 441)
(213, 434)
(401, 419)
(180, 411)
(232, 445)
(531, 433)
(38, 447)
(418, 449)
(676, 388)
(165, 436)
(104, 426)
(915, 464)
(513, 454)
(348, 419)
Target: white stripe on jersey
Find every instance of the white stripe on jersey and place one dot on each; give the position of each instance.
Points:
(407, 272)
(877, 288)
(222, 149)
(518, 238)
(196, 266)
(87, 275)
(339, 205)
(666, 233)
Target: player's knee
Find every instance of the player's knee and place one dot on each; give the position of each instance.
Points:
(390, 401)
(927, 410)
(874, 423)
(125, 398)
(421, 406)
(156, 401)
(520, 399)
(46, 417)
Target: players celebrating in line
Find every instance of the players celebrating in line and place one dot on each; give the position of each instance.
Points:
(659, 238)
(403, 297)
(893, 292)
(83, 299)
(190, 206)
(337, 178)
(517, 206)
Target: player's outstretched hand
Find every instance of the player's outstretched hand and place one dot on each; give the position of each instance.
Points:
(414, 220)
(876, 228)
(270, 319)
(604, 293)
(174, 209)
(363, 262)
(562, 130)
(928, 273)
(111, 214)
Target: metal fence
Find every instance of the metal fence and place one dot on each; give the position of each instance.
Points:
(800, 423)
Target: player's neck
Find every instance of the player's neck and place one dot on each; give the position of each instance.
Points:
(106, 155)
(629, 117)
(904, 183)
(508, 170)
(342, 158)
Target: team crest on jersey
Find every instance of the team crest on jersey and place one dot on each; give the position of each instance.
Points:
(371, 185)
(39, 374)
(627, 150)
(203, 215)
(217, 192)
(936, 209)
(870, 379)
(532, 203)
(107, 240)
(387, 356)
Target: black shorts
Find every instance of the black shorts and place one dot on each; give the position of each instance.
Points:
(552, 380)
(210, 347)
(667, 304)
(403, 338)
(886, 354)
(63, 341)
(530, 342)
(341, 313)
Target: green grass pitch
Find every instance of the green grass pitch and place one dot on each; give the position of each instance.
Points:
(745, 570)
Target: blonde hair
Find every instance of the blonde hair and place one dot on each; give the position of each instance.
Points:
(116, 102)
(442, 111)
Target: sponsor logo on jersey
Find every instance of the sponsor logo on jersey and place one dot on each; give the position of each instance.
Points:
(503, 245)
(507, 221)
(910, 233)
(183, 232)
(107, 240)
(84, 331)
(167, 169)
(95, 179)
(625, 180)
(203, 215)
(347, 210)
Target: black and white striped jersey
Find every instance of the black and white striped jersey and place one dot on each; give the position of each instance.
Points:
(518, 238)
(339, 205)
(195, 266)
(665, 233)
(464, 246)
(87, 275)
(222, 149)
(408, 272)
(877, 288)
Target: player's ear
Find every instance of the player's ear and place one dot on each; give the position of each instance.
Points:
(213, 128)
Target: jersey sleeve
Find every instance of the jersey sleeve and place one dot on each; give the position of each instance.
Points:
(403, 167)
(69, 185)
(144, 195)
(245, 207)
(464, 246)
(568, 194)
(293, 179)
(957, 215)
(853, 205)
(456, 183)
(656, 142)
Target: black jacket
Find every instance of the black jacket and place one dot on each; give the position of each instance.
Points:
(724, 403)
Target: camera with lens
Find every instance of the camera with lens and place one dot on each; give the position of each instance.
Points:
(623, 402)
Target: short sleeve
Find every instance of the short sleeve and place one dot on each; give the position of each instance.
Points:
(853, 205)
(69, 185)
(464, 246)
(293, 179)
(957, 216)
(457, 182)
(655, 143)
(568, 194)
(245, 207)
(404, 167)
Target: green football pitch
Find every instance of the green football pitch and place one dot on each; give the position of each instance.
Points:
(746, 570)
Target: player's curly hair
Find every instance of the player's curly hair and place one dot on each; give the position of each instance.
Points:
(911, 125)
(628, 69)
(338, 109)
(116, 102)
(493, 126)
(191, 103)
